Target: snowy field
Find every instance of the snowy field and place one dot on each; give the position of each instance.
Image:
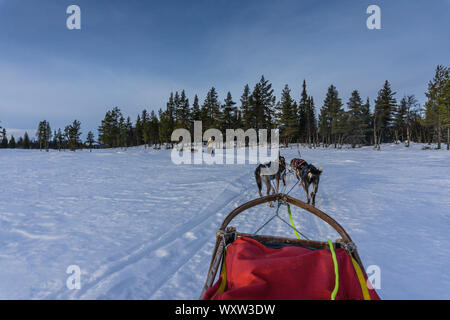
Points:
(140, 227)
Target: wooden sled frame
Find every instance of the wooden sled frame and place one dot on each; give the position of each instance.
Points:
(226, 235)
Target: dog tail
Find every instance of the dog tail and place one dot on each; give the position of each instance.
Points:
(258, 177)
(314, 170)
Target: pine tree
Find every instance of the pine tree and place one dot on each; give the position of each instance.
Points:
(367, 120)
(176, 106)
(228, 112)
(411, 106)
(168, 123)
(195, 111)
(165, 126)
(437, 114)
(146, 132)
(116, 126)
(237, 118)
(211, 110)
(245, 108)
(73, 134)
(44, 134)
(182, 111)
(357, 119)
(54, 144)
(48, 136)
(332, 119)
(4, 142)
(40, 133)
(138, 131)
(12, 142)
(385, 105)
(66, 135)
(60, 141)
(154, 128)
(26, 141)
(342, 128)
(324, 126)
(261, 105)
(109, 132)
(301, 116)
(311, 125)
(123, 132)
(129, 132)
(399, 124)
(20, 143)
(170, 113)
(145, 127)
(286, 112)
(194, 114)
(90, 140)
(167, 120)
(445, 106)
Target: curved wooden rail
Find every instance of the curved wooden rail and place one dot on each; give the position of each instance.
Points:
(322, 215)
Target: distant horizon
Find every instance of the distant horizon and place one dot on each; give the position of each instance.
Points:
(19, 132)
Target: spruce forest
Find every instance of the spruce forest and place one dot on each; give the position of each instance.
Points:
(356, 122)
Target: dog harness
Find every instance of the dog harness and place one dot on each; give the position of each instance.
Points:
(297, 163)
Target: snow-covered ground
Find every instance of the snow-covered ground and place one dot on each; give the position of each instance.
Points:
(140, 227)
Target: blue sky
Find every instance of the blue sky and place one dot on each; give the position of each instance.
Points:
(132, 54)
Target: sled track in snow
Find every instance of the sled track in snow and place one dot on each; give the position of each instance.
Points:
(167, 274)
(107, 273)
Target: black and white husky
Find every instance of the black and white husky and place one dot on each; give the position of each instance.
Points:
(309, 174)
(267, 172)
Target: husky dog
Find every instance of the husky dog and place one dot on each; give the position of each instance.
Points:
(265, 172)
(308, 174)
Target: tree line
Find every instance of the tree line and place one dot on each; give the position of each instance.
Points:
(45, 139)
(356, 123)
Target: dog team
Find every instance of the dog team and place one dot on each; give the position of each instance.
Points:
(305, 172)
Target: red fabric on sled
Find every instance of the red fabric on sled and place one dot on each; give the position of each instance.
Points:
(256, 272)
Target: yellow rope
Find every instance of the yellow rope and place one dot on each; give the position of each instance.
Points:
(336, 271)
(362, 280)
(292, 221)
(223, 272)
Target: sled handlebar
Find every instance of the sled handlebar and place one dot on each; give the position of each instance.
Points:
(285, 198)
